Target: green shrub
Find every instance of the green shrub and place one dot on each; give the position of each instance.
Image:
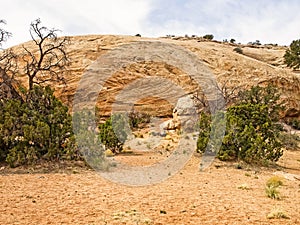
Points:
(252, 133)
(268, 96)
(292, 55)
(257, 42)
(232, 40)
(137, 119)
(208, 36)
(209, 127)
(272, 186)
(113, 133)
(272, 192)
(238, 50)
(87, 139)
(37, 128)
(204, 131)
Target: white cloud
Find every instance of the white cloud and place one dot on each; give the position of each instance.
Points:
(270, 21)
(75, 17)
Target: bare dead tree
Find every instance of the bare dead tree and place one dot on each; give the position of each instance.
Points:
(8, 68)
(8, 62)
(7, 57)
(49, 60)
(4, 35)
(229, 94)
(201, 101)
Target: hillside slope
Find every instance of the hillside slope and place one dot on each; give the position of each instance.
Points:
(257, 66)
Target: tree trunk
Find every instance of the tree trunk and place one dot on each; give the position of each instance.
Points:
(7, 88)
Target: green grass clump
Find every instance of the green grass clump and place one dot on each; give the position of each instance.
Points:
(244, 187)
(273, 192)
(272, 186)
(277, 214)
(275, 181)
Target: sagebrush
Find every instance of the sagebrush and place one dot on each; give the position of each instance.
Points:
(252, 129)
(38, 128)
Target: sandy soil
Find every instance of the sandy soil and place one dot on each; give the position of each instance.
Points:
(222, 194)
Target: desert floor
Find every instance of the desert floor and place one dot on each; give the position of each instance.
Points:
(223, 194)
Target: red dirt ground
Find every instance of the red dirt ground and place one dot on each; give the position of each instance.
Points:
(77, 195)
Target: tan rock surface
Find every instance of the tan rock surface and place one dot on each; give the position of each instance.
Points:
(255, 67)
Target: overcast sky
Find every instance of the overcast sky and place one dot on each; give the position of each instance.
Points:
(270, 21)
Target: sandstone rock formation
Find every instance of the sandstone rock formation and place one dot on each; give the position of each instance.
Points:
(257, 66)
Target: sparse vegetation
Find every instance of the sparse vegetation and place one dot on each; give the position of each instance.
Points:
(256, 42)
(132, 215)
(35, 127)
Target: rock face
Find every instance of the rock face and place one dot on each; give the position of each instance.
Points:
(184, 116)
(255, 67)
(186, 113)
